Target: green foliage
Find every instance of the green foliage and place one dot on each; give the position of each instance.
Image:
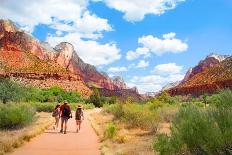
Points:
(15, 115)
(115, 109)
(166, 98)
(44, 107)
(99, 100)
(96, 99)
(9, 90)
(200, 131)
(135, 115)
(140, 116)
(111, 131)
(53, 94)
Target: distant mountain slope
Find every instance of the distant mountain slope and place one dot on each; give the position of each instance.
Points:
(68, 58)
(25, 60)
(31, 62)
(217, 75)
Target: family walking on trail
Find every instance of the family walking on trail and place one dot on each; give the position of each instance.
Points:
(64, 113)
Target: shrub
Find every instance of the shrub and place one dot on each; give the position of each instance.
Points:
(199, 132)
(96, 99)
(53, 94)
(111, 131)
(115, 109)
(9, 90)
(135, 115)
(44, 107)
(16, 115)
(84, 105)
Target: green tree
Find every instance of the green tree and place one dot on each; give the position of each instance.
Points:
(10, 90)
(95, 98)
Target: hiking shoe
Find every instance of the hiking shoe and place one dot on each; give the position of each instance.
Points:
(61, 131)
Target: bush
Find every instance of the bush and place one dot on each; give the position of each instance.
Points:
(84, 105)
(16, 115)
(111, 131)
(44, 107)
(99, 100)
(9, 90)
(135, 115)
(53, 94)
(140, 116)
(199, 132)
(115, 109)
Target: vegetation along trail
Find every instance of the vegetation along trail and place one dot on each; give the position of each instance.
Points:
(51, 142)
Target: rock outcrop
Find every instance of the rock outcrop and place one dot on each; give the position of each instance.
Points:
(209, 76)
(210, 61)
(68, 58)
(36, 63)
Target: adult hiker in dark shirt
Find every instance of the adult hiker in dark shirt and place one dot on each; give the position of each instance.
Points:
(65, 115)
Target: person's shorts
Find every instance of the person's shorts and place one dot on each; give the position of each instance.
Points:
(64, 119)
(78, 118)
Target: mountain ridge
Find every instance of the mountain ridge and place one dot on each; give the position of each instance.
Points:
(25, 57)
(210, 75)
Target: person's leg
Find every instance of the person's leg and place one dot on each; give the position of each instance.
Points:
(80, 125)
(62, 123)
(65, 125)
(77, 125)
(57, 122)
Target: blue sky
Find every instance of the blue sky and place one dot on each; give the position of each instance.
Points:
(149, 43)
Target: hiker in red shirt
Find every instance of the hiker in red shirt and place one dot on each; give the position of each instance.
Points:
(65, 115)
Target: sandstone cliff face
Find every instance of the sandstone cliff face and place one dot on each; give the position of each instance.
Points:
(209, 61)
(216, 77)
(68, 58)
(27, 60)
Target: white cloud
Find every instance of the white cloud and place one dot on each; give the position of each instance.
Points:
(131, 55)
(169, 35)
(153, 83)
(71, 21)
(169, 68)
(149, 83)
(69, 16)
(90, 51)
(160, 46)
(159, 77)
(117, 69)
(142, 64)
(135, 10)
(32, 13)
(151, 44)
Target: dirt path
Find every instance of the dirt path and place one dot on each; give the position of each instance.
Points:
(52, 142)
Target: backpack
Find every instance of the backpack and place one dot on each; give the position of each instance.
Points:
(78, 114)
(66, 111)
(55, 113)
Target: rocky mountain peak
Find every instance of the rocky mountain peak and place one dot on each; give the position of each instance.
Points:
(210, 61)
(119, 81)
(66, 48)
(8, 25)
(220, 58)
(65, 53)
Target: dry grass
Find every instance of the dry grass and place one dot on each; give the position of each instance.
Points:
(10, 139)
(128, 141)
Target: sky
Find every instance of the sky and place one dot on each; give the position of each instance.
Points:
(149, 43)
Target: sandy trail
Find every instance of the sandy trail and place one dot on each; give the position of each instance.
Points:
(51, 142)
